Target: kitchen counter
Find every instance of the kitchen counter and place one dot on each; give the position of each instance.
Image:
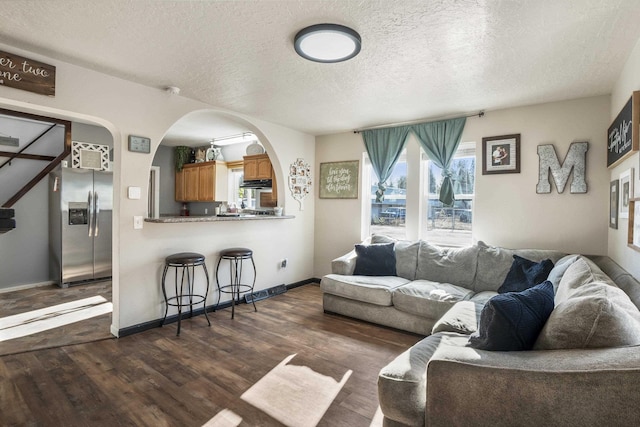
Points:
(213, 218)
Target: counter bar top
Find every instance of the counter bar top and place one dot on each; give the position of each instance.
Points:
(213, 218)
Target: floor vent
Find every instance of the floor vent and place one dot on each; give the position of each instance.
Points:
(265, 293)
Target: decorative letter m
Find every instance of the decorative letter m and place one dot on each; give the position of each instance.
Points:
(576, 159)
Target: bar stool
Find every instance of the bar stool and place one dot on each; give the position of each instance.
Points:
(188, 261)
(235, 287)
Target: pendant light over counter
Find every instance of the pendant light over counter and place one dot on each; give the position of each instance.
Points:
(327, 43)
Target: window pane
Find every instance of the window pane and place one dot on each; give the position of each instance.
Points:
(451, 225)
(244, 198)
(388, 212)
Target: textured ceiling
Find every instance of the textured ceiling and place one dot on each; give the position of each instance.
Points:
(420, 59)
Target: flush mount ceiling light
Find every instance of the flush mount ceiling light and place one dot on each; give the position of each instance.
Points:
(327, 43)
(234, 139)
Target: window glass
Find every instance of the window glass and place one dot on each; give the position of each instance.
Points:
(243, 198)
(388, 210)
(450, 226)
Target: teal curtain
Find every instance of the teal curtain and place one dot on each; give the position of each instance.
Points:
(384, 147)
(440, 141)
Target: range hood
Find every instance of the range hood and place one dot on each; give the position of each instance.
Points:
(256, 183)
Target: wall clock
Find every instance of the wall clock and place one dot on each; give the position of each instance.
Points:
(139, 144)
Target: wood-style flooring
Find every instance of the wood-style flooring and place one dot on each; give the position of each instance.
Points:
(154, 378)
(93, 329)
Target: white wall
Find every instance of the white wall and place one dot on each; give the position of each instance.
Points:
(24, 252)
(507, 210)
(127, 108)
(628, 82)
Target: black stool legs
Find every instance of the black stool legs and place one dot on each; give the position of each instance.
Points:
(188, 261)
(235, 256)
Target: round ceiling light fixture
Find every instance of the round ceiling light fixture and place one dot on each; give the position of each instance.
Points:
(327, 43)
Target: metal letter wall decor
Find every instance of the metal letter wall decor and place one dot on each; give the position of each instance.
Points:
(576, 160)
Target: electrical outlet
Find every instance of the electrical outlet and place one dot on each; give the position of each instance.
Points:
(283, 263)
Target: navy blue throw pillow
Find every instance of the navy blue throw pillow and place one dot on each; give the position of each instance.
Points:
(378, 259)
(524, 274)
(513, 321)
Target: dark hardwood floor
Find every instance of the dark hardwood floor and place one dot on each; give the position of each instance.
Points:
(93, 329)
(154, 378)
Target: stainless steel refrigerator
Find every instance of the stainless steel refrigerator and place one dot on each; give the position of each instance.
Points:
(80, 211)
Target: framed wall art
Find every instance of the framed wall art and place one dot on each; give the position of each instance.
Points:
(299, 180)
(626, 192)
(633, 232)
(339, 180)
(86, 155)
(613, 204)
(501, 154)
(622, 135)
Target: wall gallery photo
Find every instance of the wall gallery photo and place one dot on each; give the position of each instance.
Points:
(501, 154)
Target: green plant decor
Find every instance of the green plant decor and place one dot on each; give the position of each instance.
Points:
(181, 156)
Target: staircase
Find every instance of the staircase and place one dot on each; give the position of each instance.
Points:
(32, 147)
(7, 223)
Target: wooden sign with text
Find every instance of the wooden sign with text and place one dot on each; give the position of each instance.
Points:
(622, 135)
(26, 74)
(339, 180)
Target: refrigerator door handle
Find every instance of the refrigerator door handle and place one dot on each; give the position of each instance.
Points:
(96, 229)
(90, 213)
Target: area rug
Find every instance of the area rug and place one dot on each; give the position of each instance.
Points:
(224, 418)
(295, 395)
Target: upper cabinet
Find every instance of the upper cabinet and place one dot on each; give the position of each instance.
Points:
(257, 167)
(202, 182)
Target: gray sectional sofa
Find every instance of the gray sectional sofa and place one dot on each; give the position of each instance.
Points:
(584, 369)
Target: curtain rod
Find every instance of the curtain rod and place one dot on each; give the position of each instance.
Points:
(415, 122)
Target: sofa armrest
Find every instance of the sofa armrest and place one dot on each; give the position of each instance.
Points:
(583, 387)
(345, 264)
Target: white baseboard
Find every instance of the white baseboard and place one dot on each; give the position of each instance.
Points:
(114, 331)
(27, 286)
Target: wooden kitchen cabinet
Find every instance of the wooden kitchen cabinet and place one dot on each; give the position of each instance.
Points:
(202, 182)
(257, 167)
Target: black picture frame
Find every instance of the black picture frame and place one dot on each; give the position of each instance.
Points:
(614, 193)
(501, 154)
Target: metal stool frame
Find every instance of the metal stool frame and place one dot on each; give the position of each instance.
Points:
(178, 299)
(235, 276)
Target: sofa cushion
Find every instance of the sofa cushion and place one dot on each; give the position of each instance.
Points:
(402, 384)
(525, 274)
(372, 289)
(494, 264)
(590, 312)
(447, 265)
(462, 318)
(481, 298)
(558, 270)
(428, 299)
(406, 254)
(375, 260)
(512, 321)
(597, 315)
(579, 273)
(622, 278)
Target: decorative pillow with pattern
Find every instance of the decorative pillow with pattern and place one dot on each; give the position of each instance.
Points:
(512, 321)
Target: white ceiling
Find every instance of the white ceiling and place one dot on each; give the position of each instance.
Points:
(420, 59)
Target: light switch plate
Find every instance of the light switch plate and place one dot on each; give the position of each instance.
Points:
(134, 193)
(137, 222)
